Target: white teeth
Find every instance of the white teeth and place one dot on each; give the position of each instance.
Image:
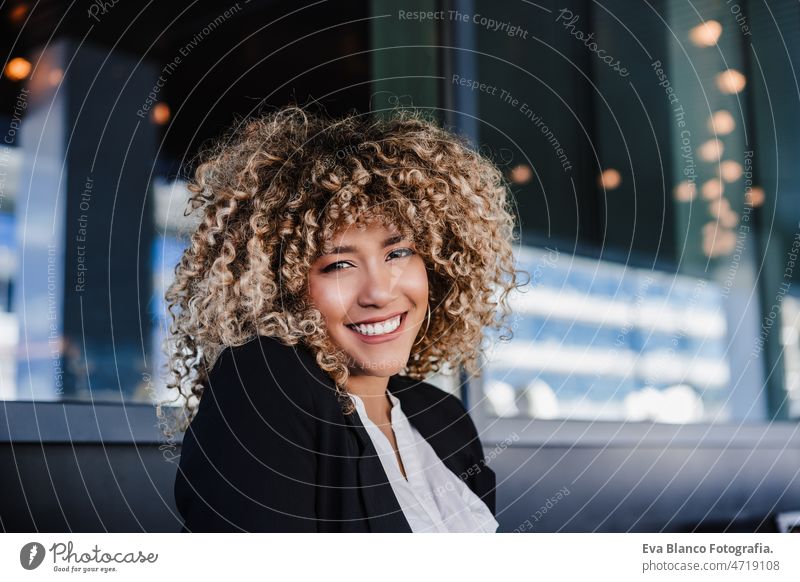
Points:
(381, 328)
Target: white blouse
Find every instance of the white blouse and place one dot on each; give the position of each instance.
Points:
(433, 499)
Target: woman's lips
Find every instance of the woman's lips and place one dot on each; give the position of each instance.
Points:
(378, 339)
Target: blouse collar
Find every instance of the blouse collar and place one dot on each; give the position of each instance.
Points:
(360, 401)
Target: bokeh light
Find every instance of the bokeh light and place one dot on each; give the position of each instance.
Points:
(730, 171)
(610, 179)
(721, 122)
(706, 34)
(17, 69)
(160, 113)
(521, 174)
(731, 81)
(711, 150)
(712, 189)
(685, 191)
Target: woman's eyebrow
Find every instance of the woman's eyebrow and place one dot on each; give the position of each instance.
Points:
(394, 239)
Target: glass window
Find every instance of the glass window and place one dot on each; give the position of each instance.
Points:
(648, 170)
(657, 354)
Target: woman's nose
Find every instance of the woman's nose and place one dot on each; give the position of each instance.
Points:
(381, 284)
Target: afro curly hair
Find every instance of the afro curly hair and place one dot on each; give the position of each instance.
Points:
(273, 191)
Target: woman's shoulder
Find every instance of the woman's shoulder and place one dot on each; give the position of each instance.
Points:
(263, 373)
(260, 349)
(248, 456)
(254, 401)
(428, 401)
(423, 393)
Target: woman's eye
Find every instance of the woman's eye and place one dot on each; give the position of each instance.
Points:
(408, 252)
(333, 267)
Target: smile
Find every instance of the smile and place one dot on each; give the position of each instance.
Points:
(387, 329)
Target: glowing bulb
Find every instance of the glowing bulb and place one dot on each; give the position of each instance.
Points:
(721, 123)
(17, 69)
(685, 191)
(728, 218)
(718, 206)
(706, 34)
(18, 13)
(731, 81)
(160, 113)
(521, 174)
(711, 150)
(712, 189)
(717, 241)
(730, 171)
(610, 179)
(755, 196)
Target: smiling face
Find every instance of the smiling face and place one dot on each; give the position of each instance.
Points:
(373, 275)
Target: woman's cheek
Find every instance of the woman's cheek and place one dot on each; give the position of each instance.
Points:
(336, 299)
(420, 275)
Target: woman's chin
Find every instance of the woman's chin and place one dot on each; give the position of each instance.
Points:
(376, 359)
(383, 367)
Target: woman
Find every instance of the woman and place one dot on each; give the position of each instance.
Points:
(337, 264)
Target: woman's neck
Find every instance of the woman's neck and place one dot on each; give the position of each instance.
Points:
(373, 391)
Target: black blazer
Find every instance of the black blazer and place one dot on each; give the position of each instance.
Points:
(271, 451)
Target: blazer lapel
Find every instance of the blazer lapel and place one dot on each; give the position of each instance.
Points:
(383, 509)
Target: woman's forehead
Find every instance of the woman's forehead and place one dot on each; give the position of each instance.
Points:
(361, 231)
(348, 237)
(373, 223)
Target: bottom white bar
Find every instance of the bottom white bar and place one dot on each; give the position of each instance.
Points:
(389, 557)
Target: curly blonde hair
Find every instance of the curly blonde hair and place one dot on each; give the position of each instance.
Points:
(275, 190)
